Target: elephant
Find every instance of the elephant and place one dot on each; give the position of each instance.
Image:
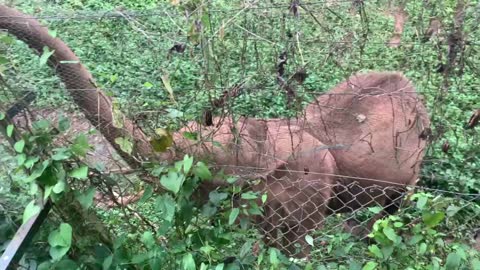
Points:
(296, 172)
(384, 129)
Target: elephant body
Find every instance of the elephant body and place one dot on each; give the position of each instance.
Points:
(359, 144)
(381, 122)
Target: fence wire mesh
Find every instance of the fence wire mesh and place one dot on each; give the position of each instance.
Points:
(213, 72)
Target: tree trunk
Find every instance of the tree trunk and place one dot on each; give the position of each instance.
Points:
(96, 106)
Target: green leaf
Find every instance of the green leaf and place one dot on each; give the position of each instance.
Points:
(166, 83)
(148, 85)
(233, 215)
(18, 146)
(264, 198)
(273, 257)
(49, 176)
(217, 197)
(475, 264)
(167, 205)
(80, 145)
(60, 241)
(422, 201)
(107, 263)
(201, 170)
(375, 209)
(61, 154)
(433, 219)
(375, 250)
(309, 240)
(190, 135)
(453, 261)
(390, 234)
(86, 198)
(59, 187)
(147, 239)
(125, 144)
(79, 173)
(147, 194)
(63, 124)
(2, 116)
(9, 130)
(249, 195)
(370, 266)
(188, 263)
(21, 158)
(452, 210)
(45, 55)
(172, 181)
(30, 210)
(187, 163)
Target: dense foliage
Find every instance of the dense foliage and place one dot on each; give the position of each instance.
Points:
(164, 62)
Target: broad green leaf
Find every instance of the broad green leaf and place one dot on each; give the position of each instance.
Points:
(147, 194)
(475, 264)
(264, 198)
(422, 201)
(21, 158)
(107, 262)
(119, 241)
(80, 145)
(190, 135)
(80, 173)
(370, 266)
(188, 263)
(37, 169)
(167, 205)
(31, 161)
(220, 266)
(2, 116)
(47, 192)
(166, 83)
(63, 124)
(433, 219)
(273, 257)
(30, 210)
(390, 234)
(62, 236)
(45, 55)
(453, 261)
(9, 130)
(217, 197)
(86, 198)
(60, 241)
(147, 239)
(309, 240)
(187, 164)
(172, 181)
(18, 146)
(59, 187)
(201, 170)
(233, 215)
(125, 144)
(452, 210)
(49, 176)
(148, 85)
(42, 124)
(61, 154)
(249, 195)
(375, 209)
(375, 250)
